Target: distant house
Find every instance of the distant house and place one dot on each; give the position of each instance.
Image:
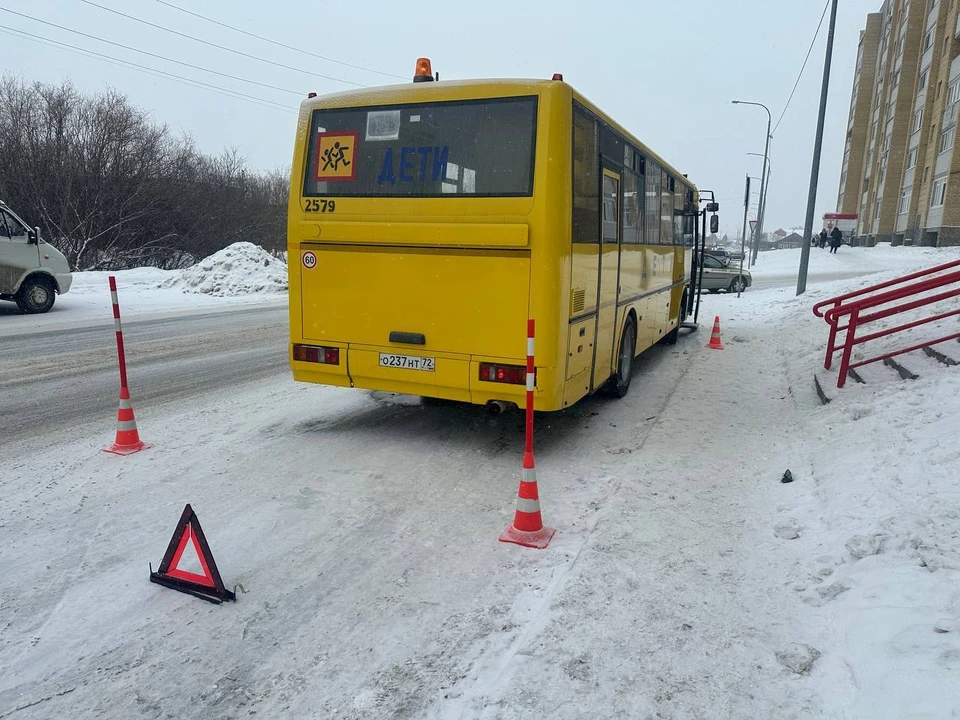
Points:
(775, 242)
(780, 233)
(793, 240)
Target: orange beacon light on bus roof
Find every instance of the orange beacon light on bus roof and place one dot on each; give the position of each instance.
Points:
(424, 71)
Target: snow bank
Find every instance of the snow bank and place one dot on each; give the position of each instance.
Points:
(873, 555)
(240, 269)
(855, 259)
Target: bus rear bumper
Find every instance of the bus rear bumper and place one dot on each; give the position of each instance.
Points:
(454, 377)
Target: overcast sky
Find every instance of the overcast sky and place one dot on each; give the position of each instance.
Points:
(665, 70)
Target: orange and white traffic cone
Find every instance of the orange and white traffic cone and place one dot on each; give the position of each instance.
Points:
(128, 438)
(715, 343)
(527, 528)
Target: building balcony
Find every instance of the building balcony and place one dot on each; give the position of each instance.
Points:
(950, 112)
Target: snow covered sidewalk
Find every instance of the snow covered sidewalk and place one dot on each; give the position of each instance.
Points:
(669, 605)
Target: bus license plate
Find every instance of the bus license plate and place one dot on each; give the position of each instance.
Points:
(407, 362)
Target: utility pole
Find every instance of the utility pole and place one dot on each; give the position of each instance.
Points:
(763, 189)
(763, 207)
(743, 240)
(815, 171)
(763, 177)
(766, 189)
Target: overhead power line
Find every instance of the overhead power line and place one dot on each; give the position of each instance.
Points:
(277, 43)
(222, 47)
(154, 55)
(803, 67)
(152, 71)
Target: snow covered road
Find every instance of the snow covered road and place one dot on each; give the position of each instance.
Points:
(364, 528)
(58, 378)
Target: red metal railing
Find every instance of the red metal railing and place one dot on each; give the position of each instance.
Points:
(855, 307)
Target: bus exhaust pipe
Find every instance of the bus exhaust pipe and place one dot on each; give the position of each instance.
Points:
(499, 407)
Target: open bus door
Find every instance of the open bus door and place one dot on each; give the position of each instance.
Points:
(699, 250)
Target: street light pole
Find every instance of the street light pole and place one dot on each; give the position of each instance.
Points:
(815, 171)
(763, 198)
(743, 241)
(763, 176)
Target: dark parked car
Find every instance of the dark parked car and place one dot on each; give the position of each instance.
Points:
(720, 253)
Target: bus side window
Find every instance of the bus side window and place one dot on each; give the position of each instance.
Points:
(652, 204)
(666, 210)
(632, 216)
(586, 179)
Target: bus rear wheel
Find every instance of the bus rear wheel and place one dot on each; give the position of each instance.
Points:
(619, 384)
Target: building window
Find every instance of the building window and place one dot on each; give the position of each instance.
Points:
(923, 79)
(928, 40)
(917, 120)
(905, 199)
(953, 92)
(912, 158)
(939, 192)
(946, 139)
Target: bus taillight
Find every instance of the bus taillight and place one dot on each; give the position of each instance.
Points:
(315, 354)
(510, 374)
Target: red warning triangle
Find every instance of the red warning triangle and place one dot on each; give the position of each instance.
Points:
(188, 541)
(175, 570)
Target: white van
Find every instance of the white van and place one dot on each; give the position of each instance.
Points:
(31, 271)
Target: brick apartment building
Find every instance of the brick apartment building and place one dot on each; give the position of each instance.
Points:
(900, 156)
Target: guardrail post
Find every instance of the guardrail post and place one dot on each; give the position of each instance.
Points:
(828, 361)
(847, 348)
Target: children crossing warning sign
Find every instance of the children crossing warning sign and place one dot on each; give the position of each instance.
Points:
(178, 572)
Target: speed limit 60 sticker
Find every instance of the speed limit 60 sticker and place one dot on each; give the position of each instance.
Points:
(309, 260)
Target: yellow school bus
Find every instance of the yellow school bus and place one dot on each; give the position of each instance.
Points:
(428, 221)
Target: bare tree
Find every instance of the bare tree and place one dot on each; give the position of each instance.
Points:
(112, 189)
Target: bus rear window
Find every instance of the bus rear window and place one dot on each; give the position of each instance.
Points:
(474, 147)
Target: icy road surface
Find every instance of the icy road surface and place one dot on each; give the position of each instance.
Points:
(54, 379)
(364, 528)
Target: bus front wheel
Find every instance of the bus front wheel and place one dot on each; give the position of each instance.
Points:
(619, 384)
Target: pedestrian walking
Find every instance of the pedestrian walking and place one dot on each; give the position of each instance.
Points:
(823, 238)
(836, 239)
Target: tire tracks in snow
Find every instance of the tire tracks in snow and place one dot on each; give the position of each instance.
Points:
(492, 671)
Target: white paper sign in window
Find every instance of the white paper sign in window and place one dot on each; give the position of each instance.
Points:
(383, 125)
(469, 180)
